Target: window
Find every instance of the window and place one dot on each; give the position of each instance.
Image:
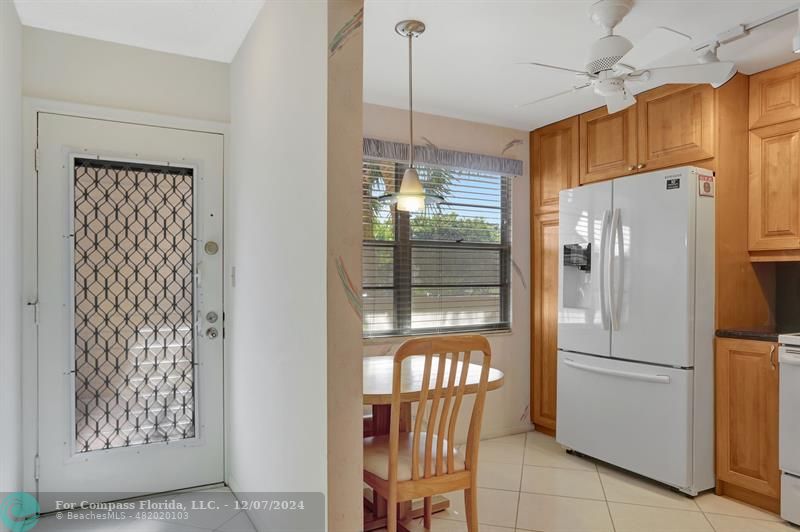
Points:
(443, 270)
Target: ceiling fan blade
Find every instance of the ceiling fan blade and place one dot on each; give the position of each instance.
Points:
(617, 101)
(715, 73)
(656, 44)
(573, 89)
(553, 67)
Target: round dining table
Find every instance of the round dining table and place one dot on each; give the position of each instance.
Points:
(378, 377)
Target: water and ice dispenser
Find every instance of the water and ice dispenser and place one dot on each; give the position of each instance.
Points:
(577, 275)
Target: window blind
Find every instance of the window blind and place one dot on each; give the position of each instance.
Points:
(442, 270)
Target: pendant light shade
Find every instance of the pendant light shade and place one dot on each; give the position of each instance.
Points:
(412, 196)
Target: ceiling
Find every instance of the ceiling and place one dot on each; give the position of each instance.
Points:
(208, 29)
(464, 64)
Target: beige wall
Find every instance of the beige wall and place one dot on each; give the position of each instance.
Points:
(276, 350)
(65, 67)
(10, 248)
(345, 69)
(507, 408)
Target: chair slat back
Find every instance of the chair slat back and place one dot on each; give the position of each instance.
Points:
(444, 379)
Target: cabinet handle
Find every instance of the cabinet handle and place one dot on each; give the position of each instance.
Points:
(772, 357)
(631, 168)
(640, 166)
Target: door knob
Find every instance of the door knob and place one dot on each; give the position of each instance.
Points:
(211, 247)
(212, 332)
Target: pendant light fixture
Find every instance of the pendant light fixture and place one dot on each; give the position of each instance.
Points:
(412, 196)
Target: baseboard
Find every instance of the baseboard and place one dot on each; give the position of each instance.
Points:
(545, 430)
(752, 498)
(508, 431)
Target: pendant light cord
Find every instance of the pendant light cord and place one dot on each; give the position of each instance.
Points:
(410, 106)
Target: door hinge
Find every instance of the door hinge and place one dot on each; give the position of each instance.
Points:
(36, 467)
(36, 160)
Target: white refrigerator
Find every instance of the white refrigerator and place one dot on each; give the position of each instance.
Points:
(636, 325)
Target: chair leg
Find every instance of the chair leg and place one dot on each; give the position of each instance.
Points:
(391, 514)
(426, 519)
(471, 507)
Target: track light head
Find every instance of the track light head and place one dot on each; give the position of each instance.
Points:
(708, 54)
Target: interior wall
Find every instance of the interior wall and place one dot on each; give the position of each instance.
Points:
(276, 317)
(10, 247)
(506, 409)
(345, 397)
(65, 67)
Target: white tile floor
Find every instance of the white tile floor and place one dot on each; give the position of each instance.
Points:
(219, 521)
(528, 483)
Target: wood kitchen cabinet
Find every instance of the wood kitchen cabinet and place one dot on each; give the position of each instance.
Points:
(607, 144)
(675, 126)
(747, 379)
(774, 187)
(775, 95)
(554, 163)
(774, 191)
(544, 321)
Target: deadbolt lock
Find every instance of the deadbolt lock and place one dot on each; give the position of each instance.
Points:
(212, 317)
(212, 332)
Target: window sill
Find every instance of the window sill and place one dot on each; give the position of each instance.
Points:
(379, 340)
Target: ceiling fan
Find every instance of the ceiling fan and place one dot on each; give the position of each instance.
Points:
(614, 60)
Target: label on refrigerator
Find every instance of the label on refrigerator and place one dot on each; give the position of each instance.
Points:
(673, 183)
(706, 184)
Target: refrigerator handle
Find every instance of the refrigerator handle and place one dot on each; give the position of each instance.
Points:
(646, 377)
(615, 279)
(605, 234)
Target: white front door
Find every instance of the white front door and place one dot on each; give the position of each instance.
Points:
(129, 273)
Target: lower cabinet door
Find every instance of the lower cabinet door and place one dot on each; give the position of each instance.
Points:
(635, 416)
(747, 388)
(544, 338)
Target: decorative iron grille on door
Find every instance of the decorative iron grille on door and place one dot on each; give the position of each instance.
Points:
(134, 304)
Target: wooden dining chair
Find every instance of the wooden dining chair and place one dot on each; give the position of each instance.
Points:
(424, 462)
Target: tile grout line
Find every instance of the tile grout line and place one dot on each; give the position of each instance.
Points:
(605, 497)
(521, 474)
(229, 520)
(713, 528)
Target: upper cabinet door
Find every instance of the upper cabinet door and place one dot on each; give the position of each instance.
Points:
(775, 95)
(676, 126)
(774, 193)
(608, 144)
(554, 163)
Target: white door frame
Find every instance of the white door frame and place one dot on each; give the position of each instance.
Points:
(31, 107)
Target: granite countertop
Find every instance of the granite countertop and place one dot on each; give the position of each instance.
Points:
(748, 335)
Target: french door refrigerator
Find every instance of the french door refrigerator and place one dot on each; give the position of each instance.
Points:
(636, 325)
